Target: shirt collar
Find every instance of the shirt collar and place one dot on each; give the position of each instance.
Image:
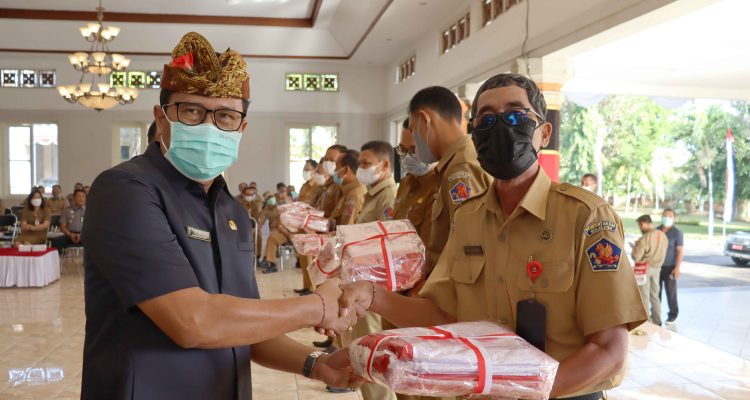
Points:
(389, 181)
(534, 201)
(451, 151)
(347, 187)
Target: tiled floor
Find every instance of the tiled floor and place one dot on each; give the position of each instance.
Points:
(41, 335)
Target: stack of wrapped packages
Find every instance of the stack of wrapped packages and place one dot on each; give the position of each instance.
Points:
(301, 217)
(309, 244)
(468, 358)
(387, 253)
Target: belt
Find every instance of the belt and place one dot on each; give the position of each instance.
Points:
(591, 396)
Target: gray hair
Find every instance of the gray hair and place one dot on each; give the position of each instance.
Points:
(536, 98)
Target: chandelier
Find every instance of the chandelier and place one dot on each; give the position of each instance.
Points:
(97, 64)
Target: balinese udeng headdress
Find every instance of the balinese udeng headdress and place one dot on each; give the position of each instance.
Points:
(197, 69)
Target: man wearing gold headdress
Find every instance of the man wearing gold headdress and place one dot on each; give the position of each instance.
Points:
(172, 305)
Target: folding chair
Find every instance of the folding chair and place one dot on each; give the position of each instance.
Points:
(8, 228)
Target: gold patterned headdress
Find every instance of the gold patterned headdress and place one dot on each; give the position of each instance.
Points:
(197, 69)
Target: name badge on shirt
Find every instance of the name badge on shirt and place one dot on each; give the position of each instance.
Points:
(473, 250)
(196, 233)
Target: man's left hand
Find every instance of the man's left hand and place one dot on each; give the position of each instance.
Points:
(676, 273)
(335, 370)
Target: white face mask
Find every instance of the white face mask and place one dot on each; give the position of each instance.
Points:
(250, 198)
(368, 176)
(411, 165)
(589, 188)
(36, 202)
(307, 174)
(667, 222)
(319, 179)
(329, 167)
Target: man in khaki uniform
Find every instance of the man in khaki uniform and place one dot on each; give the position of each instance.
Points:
(585, 283)
(352, 192)
(308, 194)
(435, 118)
(250, 202)
(57, 203)
(375, 173)
(240, 188)
(331, 192)
(649, 252)
(278, 236)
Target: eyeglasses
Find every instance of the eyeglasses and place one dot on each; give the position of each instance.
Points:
(194, 114)
(401, 150)
(514, 117)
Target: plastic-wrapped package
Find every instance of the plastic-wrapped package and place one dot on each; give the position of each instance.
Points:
(388, 253)
(309, 244)
(297, 221)
(299, 206)
(479, 358)
(326, 264)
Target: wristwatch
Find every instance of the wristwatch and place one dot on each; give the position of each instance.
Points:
(310, 361)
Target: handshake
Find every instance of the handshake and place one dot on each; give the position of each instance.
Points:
(343, 304)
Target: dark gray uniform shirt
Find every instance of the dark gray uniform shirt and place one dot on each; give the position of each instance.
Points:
(72, 217)
(137, 247)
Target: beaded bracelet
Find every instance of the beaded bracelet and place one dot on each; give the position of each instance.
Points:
(324, 307)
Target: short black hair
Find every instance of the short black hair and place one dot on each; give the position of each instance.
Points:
(438, 99)
(165, 94)
(381, 149)
(670, 210)
(536, 98)
(57, 186)
(75, 192)
(312, 163)
(246, 188)
(644, 218)
(350, 159)
(405, 124)
(280, 185)
(338, 147)
(592, 176)
(151, 132)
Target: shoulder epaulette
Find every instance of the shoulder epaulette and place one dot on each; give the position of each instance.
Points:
(584, 196)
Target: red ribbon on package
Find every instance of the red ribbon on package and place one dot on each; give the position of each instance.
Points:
(484, 377)
(387, 256)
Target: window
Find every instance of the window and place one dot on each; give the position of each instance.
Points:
(130, 142)
(492, 9)
(32, 157)
(456, 34)
(307, 142)
(28, 78)
(312, 82)
(406, 70)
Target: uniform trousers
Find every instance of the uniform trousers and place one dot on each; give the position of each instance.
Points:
(275, 239)
(669, 283)
(651, 294)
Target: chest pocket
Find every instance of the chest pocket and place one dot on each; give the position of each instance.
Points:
(467, 269)
(557, 277)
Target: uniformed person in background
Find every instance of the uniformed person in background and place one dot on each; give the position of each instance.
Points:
(240, 188)
(376, 174)
(278, 236)
(527, 248)
(435, 119)
(308, 194)
(649, 251)
(352, 191)
(71, 223)
(331, 192)
(250, 202)
(172, 305)
(77, 186)
(57, 203)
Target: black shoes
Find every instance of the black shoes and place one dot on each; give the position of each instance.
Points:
(303, 291)
(332, 389)
(268, 267)
(324, 344)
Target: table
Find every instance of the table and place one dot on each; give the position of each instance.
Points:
(27, 268)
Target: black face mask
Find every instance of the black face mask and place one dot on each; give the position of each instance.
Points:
(505, 151)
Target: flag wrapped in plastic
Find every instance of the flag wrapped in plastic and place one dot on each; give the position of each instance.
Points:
(469, 358)
(326, 264)
(309, 244)
(388, 253)
(297, 221)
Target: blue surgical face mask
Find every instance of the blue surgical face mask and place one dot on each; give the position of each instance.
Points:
(294, 195)
(667, 222)
(202, 152)
(413, 166)
(271, 201)
(423, 152)
(337, 179)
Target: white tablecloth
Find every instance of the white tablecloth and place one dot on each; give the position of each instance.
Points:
(25, 271)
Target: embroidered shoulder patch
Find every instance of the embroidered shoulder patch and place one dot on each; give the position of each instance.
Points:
(388, 213)
(459, 175)
(600, 226)
(460, 192)
(604, 255)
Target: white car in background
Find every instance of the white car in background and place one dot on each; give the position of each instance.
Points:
(738, 248)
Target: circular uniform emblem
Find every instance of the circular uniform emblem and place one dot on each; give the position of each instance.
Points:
(545, 235)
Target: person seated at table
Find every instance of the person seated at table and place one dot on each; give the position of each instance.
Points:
(71, 223)
(250, 201)
(57, 203)
(279, 234)
(70, 196)
(35, 220)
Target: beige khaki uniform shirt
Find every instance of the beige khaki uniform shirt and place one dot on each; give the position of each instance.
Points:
(329, 198)
(461, 178)
(586, 284)
(56, 205)
(378, 202)
(414, 201)
(651, 248)
(350, 204)
(308, 193)
(272, 214)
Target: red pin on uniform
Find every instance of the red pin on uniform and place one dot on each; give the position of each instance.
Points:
(533, 269)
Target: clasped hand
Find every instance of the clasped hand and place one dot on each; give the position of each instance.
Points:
(344, 304)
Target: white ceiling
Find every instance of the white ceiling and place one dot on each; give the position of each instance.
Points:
(242, 8)
(701, 51)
